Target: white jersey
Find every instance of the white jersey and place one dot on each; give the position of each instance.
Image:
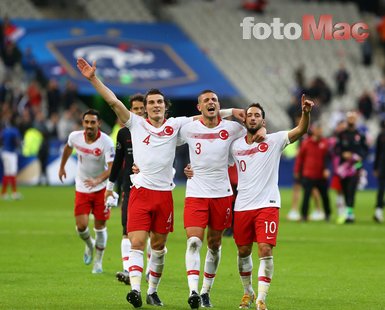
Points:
(258, 166)
(209, 153)
(154, 151)
(92, 158)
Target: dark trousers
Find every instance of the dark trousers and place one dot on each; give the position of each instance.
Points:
(322, 186)
(349, 189)
(380, 193)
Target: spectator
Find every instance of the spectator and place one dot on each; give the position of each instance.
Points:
(53, 97)
(12, 57)
(341, 78)
(294, 110)
(380, 98)
(43, 153)
(70, 95)
(365, 104)
(29, 65)
(34, 96)
(367, 52)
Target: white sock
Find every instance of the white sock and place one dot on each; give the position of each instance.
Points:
(100, 243)
(265, 274)
(213, 258)
(245, 268)
(156, 269)
(85, 236)
(148, 256)
(125, 248)
(135, 268)
(193, 262)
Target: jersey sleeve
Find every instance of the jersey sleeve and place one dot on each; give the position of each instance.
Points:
(70, 139)
(119, 157)
(133, 118)
(285, 139)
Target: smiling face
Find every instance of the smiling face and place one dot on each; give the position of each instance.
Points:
(254, 120)
(155, 107)
(91, 125)
(208, 105)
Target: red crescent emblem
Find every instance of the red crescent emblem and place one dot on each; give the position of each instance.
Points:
(97, 152)
(168, 130)
(262, 147)
(223, 134)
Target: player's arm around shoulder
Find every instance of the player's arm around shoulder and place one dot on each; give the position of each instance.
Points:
(304, 122)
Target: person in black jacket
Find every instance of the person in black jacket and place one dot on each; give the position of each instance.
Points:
(379, 172)
(351, 148)
(123, 163)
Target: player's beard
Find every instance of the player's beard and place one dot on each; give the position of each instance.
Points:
(91, 134)
(253, 130)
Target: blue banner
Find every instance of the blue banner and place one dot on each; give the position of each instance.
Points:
(130, 57)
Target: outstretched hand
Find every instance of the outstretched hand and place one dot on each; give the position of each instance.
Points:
(306, 104)
(86, 70)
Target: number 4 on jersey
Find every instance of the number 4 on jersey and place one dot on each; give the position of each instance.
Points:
(147, 140)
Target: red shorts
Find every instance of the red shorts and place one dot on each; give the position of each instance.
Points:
(336, 183)
(150, 210)
(260, 225)
(85, 203)
(213, 212)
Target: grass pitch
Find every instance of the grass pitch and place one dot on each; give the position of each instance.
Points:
(317, 265)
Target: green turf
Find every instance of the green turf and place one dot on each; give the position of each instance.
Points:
(317, 265)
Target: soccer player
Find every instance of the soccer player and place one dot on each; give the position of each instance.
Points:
(150, 206)
(11, 140)
(256, 211)
(122, 164)
(208, 200)
(95, 152)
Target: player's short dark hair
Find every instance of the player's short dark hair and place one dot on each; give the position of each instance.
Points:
(91, 112)
(136, 97)
(256, 105)
(155, 91)
(206, 91)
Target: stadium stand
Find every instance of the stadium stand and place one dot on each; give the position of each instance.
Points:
(19, 9)
(263, 70)
(121, 10)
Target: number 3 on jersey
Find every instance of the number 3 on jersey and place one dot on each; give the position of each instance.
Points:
(147, 140)
(198, 149)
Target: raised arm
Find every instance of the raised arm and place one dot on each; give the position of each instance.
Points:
(89, 73)
(304, 122)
